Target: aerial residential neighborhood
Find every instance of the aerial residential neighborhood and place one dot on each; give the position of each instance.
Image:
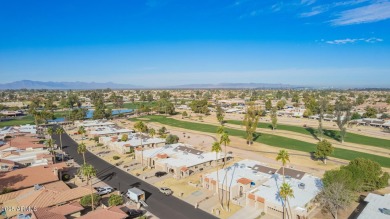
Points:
(168, 109)
(211, 161)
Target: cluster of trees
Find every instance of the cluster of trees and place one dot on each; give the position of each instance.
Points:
(250, 121)
(116, 100)
(341, 186)
(146, 96)
(200, 106)
(100, 111)
(164, 106)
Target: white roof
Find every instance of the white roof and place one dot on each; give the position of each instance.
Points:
(91, 123)
(133, 140)
(232, 110)
(25, 155)
(376, 203)
(105, 130)
(136, 191)
(270, 190)
(242, 169)
(181, 158)
(167, 149)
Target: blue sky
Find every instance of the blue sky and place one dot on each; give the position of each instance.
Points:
(171, 42)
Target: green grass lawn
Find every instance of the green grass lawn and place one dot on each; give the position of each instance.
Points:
(18, 121)
(272, 140)
(351, 137)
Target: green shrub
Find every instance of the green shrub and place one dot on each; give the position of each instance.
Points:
(115, 200)
(99, 144)
(96, 139)
(86, 200)
(65, 177)
(116, 157)
(172, 139)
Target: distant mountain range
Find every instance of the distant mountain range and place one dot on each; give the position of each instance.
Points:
(28, 84)
(236, 86)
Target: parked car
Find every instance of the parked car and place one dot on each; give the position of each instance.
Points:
(104, 190)
(133, 213)
(160, 174)
(165, 190)
(59, 157)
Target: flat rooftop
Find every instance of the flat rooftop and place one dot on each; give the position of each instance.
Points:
(305, 189)
(248, 169)
(375, 207)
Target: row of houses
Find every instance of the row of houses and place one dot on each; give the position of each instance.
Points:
(251, 183)
(372, 122)
(97, 128)
(16, 130)
(133, 141)
(179, 159)
(24, 150)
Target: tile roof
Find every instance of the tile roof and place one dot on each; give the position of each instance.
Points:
(67, 209)
(104, 213)
(45, 213)
(47, 196)
(244, 181)
(7, 161)
(27, 177)
(25, 141)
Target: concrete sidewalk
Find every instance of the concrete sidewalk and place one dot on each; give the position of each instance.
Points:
(247, 213)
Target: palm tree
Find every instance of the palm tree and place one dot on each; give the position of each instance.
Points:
(286, 192)
(225, 140)
(60, 131)
(81, 149)
(88, 171)
(50, 144)
(220, 130)
(141, 127)
(50, 131)
(82, 131)
(284, 157)
(216, 147)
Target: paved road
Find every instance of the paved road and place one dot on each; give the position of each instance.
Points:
(162, 206)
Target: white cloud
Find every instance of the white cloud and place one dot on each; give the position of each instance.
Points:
(311, 13)
(349, 40)
(307, 2)
(365, 14)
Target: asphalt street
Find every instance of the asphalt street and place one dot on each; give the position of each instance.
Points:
(164, 207)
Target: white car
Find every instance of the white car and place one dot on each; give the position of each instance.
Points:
(165, 190)
(104, 190)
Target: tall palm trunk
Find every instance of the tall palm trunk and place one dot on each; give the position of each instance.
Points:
(84, 157)
(217, 183)
(61, 148)
(92, 203)
(142, 151)
(289, 208)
